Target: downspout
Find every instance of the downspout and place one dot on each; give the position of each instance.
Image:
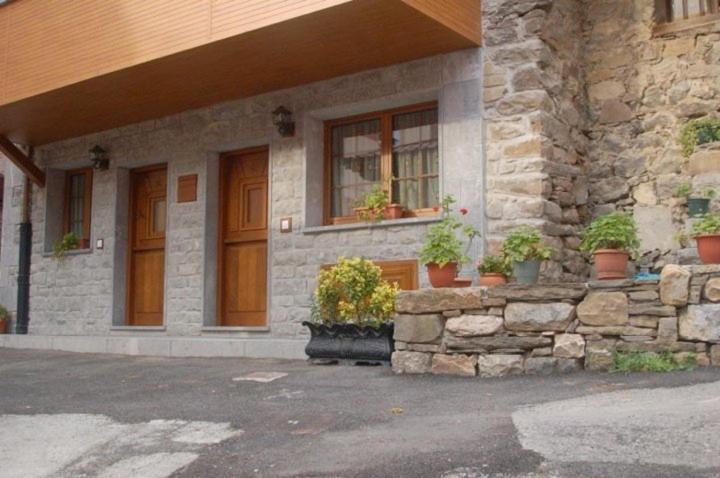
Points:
(23, 279)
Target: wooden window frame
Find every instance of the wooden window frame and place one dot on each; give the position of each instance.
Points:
(668, 21)
(386, 131)
(84, 241)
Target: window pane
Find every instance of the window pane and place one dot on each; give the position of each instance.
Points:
(158, 216)
(355, 163)
(77, 205)
(415, 159)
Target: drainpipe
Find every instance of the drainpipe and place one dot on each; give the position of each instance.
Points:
(23, 280)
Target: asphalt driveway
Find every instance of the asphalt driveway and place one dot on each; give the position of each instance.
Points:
(75, 415)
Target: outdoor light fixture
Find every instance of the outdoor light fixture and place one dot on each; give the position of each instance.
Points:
(99, 158)
(283, 120)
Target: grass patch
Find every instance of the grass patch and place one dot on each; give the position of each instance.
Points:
(624, 362)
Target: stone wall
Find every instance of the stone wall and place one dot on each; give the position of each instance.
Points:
(543, 329)
(641, 89)
(535, 109)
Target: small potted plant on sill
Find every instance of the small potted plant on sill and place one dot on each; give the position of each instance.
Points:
(525, 250)
(611, 239)
(68, 242)
(375, 206)
(352, 314)
(698, 204)
(698, 132)
(707, 236)
(494, 270)
(443, 251)
(4, 320)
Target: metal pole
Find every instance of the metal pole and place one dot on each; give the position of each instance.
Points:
(23, 293)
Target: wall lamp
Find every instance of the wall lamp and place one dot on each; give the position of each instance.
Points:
(99, 158)
(283, 121)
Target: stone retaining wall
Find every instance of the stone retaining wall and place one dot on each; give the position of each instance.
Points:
(547, 328)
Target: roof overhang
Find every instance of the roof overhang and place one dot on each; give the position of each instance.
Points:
(326, 38)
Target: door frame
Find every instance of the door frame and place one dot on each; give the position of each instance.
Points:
(130, 236)
(219, 242)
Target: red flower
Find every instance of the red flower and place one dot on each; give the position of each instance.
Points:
(463, 211)
(436, 208)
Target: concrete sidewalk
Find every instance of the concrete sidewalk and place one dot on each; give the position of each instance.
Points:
(64, 414)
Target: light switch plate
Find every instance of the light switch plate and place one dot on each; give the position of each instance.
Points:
(286, 224)
(99, 244)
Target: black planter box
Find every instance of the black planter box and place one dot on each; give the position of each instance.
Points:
(350, 342)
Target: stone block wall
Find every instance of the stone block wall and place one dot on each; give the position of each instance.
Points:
(558, 328)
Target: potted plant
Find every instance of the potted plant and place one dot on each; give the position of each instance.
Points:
(4, 320)
(611, 239)
(443, 251)
(707, 235)
(698, 131)
(524, 248)
(698, 204)
(352, 313)
(494, 270)
(375, 206)
(68, 242)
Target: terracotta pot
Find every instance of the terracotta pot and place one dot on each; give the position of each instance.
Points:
(3, 326)
(489, 279)
(462, 282)
(611, 264)
(442, 276)
(393, 211)
(709, 248)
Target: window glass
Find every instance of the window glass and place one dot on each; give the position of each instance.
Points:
(356, 167)
(158, 216)
(77, 205)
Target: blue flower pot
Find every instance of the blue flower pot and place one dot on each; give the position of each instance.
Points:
(526, 272)
(698, 206)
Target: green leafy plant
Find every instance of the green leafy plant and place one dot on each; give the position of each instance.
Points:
(708, 224)
(68, 242)
(616, 230)
(353, 292)
(524, 244)
(442, 244)
(697, 132)
(372, 207)
(495, 264)
(684, 190)
(4, 314)
(625, 362)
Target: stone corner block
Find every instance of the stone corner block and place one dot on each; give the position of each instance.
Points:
(426, 301)
(498, 365)
(700, 322)
(675, 285)
(569, 346)
(604, 308)
(411, 362)
(458, 364)
(422, 329)
(534, 317)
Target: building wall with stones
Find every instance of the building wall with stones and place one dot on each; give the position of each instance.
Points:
(83, 293)
(558, 328)
(641, 89)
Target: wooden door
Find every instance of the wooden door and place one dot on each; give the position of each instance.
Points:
(146, 261)
(242, 281)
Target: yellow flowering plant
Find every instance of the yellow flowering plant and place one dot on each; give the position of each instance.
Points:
(353, 292)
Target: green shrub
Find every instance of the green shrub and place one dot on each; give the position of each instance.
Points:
(442, 244)
(684, 190)
(524, 244)
(4, 314)
(709, 224)
(495, 264)
(353, 292)
(68, 242)
(625, 362)
(697, 132)
(616, 230)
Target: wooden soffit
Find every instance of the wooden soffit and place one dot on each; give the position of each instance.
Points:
(69, 68)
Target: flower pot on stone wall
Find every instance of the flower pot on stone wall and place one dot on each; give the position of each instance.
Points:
(526, 272)
(442, 276)
(4, 324)
(393, 211)
(698, 206)
(709, 248)
(350, 342)
(490, 279)
(611, 264)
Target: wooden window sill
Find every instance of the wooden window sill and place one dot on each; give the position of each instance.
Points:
(72, 252)
(682, 25)
(406, 221)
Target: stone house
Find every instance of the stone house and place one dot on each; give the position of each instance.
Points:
(204, 233)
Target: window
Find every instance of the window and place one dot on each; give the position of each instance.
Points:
(395, 149)
(680, 14)
(78, 198)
